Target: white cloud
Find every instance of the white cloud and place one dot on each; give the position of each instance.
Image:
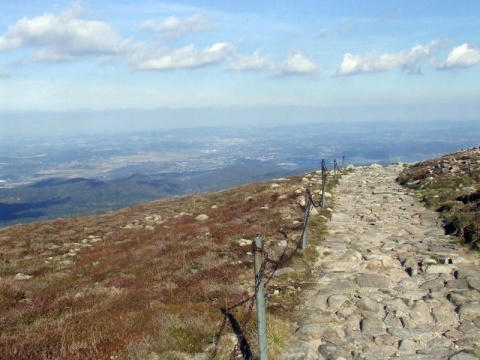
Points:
(461, 56)
(186, 57)
(407, 60)
(62, 37)
(295, 64)
(173, 26)
(298, 64)
(254, 62)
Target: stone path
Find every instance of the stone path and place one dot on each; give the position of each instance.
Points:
(390, 283)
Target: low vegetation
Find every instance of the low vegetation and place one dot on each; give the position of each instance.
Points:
(149, 282)
(451, 186)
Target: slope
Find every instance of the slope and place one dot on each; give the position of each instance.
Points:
(150, 281)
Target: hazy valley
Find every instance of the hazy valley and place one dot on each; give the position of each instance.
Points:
(58, 176)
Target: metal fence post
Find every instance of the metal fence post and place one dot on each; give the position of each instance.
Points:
(305, 218)
(324, 182)
(260, 298)
(335, 170)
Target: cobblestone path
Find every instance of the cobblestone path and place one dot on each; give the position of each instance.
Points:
(390, 283)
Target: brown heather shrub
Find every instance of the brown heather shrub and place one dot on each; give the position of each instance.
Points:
(140, 293)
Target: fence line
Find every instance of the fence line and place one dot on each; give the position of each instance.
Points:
(262, 278)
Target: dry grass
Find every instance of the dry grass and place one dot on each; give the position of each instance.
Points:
(149, 281)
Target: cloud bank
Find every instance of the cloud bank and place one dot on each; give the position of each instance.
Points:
(67, 36)
(407, 60)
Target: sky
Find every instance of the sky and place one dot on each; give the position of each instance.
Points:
(150, 63)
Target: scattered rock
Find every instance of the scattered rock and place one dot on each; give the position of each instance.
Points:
(202, 217)
(244, 242)
(21, 276)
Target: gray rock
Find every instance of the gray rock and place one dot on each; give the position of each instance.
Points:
(339, 266)
(300, 350)
(331, 351)
(413, 334)
(437, 352)
(202, 217)
(366, 303)
(465, 273)
(373, 281)
(440, 269)
(445, 316)
(407, 346)
(377, 352)
(392, 320)
(372, 327)
(21, 276)
(413, 294)
(467, 342)
(463, 355)
(457, 284)
(439, 342)
(469, 311)
(421, 313)
(314, 330)
(336, 301)
(467, 327)
(432, 285)
(474, 283)
(416, 357)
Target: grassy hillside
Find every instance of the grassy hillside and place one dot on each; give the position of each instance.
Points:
(451, 186)
(149, 282)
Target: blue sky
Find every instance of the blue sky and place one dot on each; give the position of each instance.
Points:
(331, 60)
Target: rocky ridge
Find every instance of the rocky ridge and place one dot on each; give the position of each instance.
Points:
(391, 284)
(450, 185)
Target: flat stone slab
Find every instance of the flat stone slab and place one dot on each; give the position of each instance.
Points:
(469, 311)
(373, 281)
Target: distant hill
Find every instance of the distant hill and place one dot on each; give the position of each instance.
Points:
(58, 197)
(243, 172)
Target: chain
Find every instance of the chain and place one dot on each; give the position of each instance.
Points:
(242, 343)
